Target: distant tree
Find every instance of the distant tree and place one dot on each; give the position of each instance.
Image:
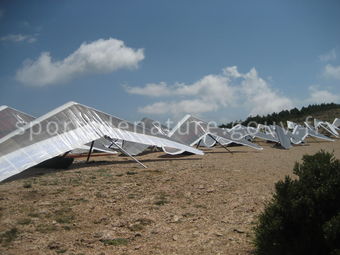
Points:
(285, 115)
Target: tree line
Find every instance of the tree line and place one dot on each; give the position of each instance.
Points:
(283, 116)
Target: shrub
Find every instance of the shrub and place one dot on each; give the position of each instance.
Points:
(304, 215)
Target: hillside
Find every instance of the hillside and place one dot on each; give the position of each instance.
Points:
(326, 112)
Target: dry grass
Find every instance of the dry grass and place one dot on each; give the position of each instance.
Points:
(178, 205)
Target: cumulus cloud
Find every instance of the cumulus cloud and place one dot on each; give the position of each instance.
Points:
(101, 56)
(331, 71)
(19, 38)
(260, 97)
(319, 96)
(331, 55)
(213, 92)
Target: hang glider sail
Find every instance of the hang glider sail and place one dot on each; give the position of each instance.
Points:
(326, 126)
(68, 127)
(155, 127)
(192, 131)
(12, 119)
(242, 131)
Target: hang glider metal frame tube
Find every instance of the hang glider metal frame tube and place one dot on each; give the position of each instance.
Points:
(114, 142)
(225, 147)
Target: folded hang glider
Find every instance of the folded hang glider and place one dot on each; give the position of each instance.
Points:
(252, 132)
(157, 128)
(326, 126)
(302, 132)
(281, 136)
(192, 131)
(68, 127)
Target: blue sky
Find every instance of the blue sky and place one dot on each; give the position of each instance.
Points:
(221, 60)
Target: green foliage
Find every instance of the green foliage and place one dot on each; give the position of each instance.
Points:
(293, 114)
(304, 214)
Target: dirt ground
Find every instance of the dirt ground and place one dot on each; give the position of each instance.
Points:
(178, 205)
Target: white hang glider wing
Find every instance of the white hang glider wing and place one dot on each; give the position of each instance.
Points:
(243, 131)
(69, 127)
(314, 133)
(300, 132)
(12, 119)
(326, 126)
(155, 128)
(192, 131)
(283, 138)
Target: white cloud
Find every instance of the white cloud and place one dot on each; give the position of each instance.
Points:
(319, 96)
(19, 38)
(331, 55)
(331, 71)
(176, 108)
(214, 92)
(101, 56)
(151, 89)
(260, 97)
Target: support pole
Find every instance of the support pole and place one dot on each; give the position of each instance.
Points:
(90, 151)
(225, 147)
(113, 142)
(198, 144)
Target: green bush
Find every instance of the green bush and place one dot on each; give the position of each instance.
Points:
(304, 215)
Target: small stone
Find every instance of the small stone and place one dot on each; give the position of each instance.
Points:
(54, 245)
(196, 233)
(176, 218)
(175, 237)
(210, 190)
(97, 235)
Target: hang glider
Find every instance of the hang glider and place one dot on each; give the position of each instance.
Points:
(283, 137)
(302, 132)
(314, 133)
(192, 131)
(326, 126)
(157, 126)
(66, 128)
(242, 131)
(12, 119)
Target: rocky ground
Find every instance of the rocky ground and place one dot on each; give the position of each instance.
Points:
(178, 205)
